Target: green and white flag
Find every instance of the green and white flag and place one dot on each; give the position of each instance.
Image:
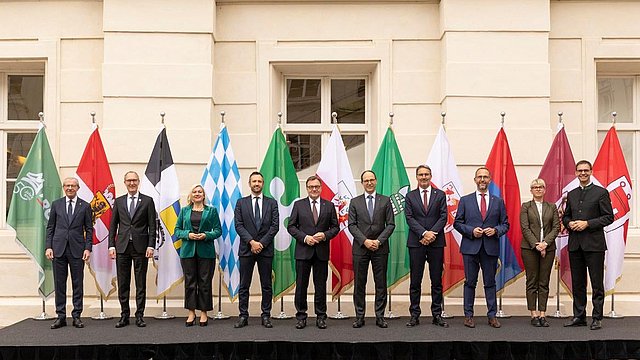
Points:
(281, 183)
(37, 186)
(393, 182)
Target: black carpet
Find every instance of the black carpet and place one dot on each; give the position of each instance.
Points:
(169, 339)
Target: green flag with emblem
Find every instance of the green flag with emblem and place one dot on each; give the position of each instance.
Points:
(37, 186)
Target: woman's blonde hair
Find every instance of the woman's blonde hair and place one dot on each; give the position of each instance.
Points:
(190, 201)
(538, 182)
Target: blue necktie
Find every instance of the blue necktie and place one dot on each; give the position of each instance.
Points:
(257, 214)
(370, 206)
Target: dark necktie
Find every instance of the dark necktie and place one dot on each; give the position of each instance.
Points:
(132, 206)
(425, 201)
(483, 206)
(257, 214)
(314, 211)
(70, 209)
(370, 206)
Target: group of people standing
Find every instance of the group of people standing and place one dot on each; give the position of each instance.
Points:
(481, 219)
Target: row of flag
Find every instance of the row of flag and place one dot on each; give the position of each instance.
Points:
(38, 184)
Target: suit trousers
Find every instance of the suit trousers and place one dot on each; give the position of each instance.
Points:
(247, 264)
(434, 256)
(61, 267)
(538, 272)
(472, 265)
(361, 270)
(123, 266)
(198, 275)
(320, 273)
(580, 261)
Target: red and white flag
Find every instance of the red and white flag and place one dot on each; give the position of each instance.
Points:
(96, 188)
(559, 174)
(445, 177)
(339, 188)
(610, 170)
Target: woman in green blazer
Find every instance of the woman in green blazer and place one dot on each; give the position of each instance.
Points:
(540, 225)
(198, 227)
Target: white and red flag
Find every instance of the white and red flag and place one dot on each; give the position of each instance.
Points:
(559, 174)
(445, 177)
(610, 170)
(96, 188)
(339, 188)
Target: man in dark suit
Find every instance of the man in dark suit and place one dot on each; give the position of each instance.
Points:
(481, 219)
(371, 222)
(313, 222)
(256, 218)
(132, 238)
(68, 244)
(426, 213)
(587, 212)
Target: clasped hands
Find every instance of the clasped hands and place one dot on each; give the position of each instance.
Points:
(314, 239)
(542, 248)
(428, 237)
(256, 246)
(478, 232)
(198, 236)
(578, 225)
(372, 244)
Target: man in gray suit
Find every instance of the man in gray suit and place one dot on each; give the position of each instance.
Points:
(371, 222)
(68, 244)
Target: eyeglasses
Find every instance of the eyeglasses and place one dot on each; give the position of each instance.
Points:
(583, 170)
(132, 180)
(537, 188)
(314, 187)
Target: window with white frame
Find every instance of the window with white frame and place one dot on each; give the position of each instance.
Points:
(621, 94)
(21, 99)
(309, 102)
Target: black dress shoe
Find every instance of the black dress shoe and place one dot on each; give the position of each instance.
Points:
(124, 321)
(543, 322)
(242, 322)
(438, 320)
(576, 322)
(77, 323)
(59, 323)
(190, 323)
(203, 323)
(140, 322)
(301, 324)
(596, 324)
(413, 321)
(358, 323)
(321, 323)
(266, 322)
(535, 321)
(381, 323)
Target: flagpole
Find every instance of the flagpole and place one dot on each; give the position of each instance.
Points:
(612, 314)
(165, 315)
(444, 314)
(501, 314)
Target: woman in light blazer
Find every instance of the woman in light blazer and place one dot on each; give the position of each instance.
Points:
(198, 226)
(540, 225)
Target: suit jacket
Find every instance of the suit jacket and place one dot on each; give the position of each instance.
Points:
(433, 219)
(141, 228)
(594, 205)
(77, 234)
(362, 227)
(246, 227)
(209, 225)
(301, 224)
(468, 217)
(530, 224)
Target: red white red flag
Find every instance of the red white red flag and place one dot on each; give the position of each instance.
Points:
(558, 172)
(610, 170)
(339, 188)
(96, 188)
(445, 177)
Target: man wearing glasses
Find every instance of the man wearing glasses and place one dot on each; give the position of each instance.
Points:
(588, 211)
(313, 222)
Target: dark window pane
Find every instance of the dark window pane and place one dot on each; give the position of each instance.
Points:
(303, 101)
(25, 96)
(305, 150)
(18, 145)
(354, 144)
(10, 185)
(348, 100)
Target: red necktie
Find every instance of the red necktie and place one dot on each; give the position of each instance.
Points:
(425, 202)
(483, 206)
